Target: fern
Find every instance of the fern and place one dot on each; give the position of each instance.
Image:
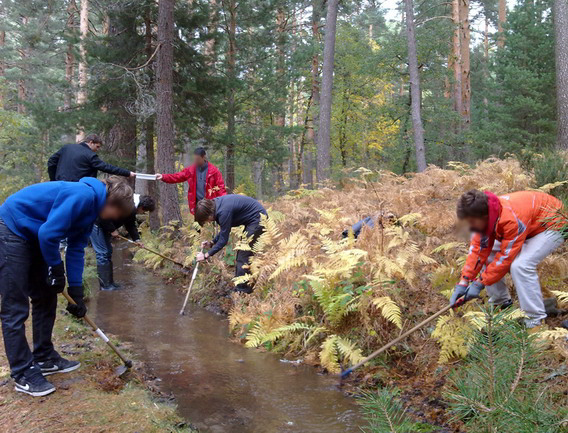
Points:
(562, 297)
(335, 349)
(258, 337)
(389, 310)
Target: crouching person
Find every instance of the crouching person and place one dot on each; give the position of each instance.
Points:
(105, 229)
(231, 211)
(511, 233)
(32, 223)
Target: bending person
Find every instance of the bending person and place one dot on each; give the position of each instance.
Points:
(230, 211)
(105, 229)
(204, 180)
(32, 223)
(511, 233)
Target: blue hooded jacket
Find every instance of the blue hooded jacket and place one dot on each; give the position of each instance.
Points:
(50, 212)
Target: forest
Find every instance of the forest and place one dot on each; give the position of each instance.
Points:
(327, 112)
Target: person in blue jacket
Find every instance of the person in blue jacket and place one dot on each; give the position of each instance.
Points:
(32, 223)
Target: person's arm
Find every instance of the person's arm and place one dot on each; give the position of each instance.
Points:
(223, 237)
(132, 228)
(58, 224)
(478, 254)
(180, 176)
(100, 165)
(515, 234)
(52, 164)
(75, 258)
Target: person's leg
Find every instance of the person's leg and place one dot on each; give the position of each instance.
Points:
(100, 241)
(15, 266)
(525, 275)
(498, 292)
(243, 258)
(44, 307)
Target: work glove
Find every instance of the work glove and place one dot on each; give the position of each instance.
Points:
(79, 310)
(467, 292)
(56, 277)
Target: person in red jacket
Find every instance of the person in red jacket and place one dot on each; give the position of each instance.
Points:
(204, 179)
(511, 233)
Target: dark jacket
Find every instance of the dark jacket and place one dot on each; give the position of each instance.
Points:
(235, 210)
(75, 161)
(46, 213)
(129, 223)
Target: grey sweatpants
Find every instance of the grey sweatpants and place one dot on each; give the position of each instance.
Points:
(525, 276)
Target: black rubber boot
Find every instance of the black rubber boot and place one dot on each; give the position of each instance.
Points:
(105, 272)
(112, 283)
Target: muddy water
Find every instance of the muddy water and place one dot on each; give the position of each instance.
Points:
(219, 386)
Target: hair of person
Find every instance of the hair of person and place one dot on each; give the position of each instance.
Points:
(119, 194)
(93, 138)
(473, 203)
(147, 203)
(200, 151)
(204, 210)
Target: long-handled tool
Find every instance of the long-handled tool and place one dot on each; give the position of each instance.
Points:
(377, 352)
(153, 251)
(182, 311)
(127, 363)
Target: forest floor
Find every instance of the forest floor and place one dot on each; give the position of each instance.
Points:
(91, 399)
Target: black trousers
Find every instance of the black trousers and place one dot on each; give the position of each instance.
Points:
(243, 257)
(23, 274)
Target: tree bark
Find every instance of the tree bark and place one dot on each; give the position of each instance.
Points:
(83, 78)
(231, 107)
(465, 39)
(22, 89)
(70, 56)
(415, 88)
(211, 43)
(502, 19)
(2, 65)
(323, 163)
(561, 31)
(164, 101)
(456, 57)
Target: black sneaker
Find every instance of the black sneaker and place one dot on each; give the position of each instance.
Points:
(33, 383)
(60, 365)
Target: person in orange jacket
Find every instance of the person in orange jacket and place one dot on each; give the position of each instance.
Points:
(204, 179)
(511, 233)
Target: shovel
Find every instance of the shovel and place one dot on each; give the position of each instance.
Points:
(377, 352)
(184, 268)
(182, 311)
(120, 371)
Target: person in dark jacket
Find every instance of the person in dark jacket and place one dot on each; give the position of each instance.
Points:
(104, 230)
(230, 211)
(32, 223)
(203, 179)
(77, 160)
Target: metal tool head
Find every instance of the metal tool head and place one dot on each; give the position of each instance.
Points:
(123, 369)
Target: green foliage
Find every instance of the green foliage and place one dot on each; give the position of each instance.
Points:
(385, 413)
(498, 387)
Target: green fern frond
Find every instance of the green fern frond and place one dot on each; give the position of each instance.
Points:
(389, 310)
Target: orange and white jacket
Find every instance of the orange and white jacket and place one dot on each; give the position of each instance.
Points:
(522, 215)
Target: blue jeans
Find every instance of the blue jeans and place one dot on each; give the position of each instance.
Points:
(102, 245)
(23, 276)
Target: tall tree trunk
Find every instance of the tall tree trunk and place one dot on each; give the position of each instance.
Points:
(486, 58)
(164, 115)
(2, 65)
(456, 57)
(152, 189)
(280, 114)
(415, 94)
(69, 55)
(561, 31)
(231, 107)
(465, 63)
(502, 19)
(323, 163)
(22, 89)
(83, 78)
(210, 44)
(257, 170)
(308, 159)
